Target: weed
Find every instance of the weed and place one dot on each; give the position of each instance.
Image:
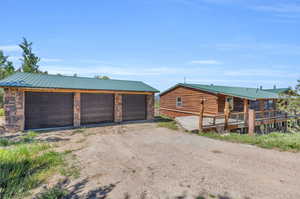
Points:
(5, 142)
(53, 193)
(167, 123)
(81, 130)
(27, 138)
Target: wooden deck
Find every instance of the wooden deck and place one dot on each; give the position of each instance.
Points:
(237, 119)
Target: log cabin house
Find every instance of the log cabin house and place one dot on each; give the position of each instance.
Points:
(35, 101)
(220, 105)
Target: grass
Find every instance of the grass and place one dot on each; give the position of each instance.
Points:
(25, 164)
(53, 193)
(167, 123)
(281, 141)
(27, 138)
(24, 167)
(81, 130)
(1, 112)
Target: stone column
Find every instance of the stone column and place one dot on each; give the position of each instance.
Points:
(76, 122)
(14, 110)
(150, 107)
(118, 108)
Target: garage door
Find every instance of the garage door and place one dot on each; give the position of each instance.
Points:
(96, 108)
(46, 110)
(134, 107)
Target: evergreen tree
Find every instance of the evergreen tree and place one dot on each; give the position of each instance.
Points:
(6, 67)
(29, 59)
(101, 77)
(290, 103)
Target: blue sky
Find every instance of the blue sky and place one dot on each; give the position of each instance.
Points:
(224, 42)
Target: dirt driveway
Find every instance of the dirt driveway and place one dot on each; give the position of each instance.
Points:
(144, 160)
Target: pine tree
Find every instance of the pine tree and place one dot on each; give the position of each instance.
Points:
(29, 59)
(6, 67)
(102, 77)
(290, 103)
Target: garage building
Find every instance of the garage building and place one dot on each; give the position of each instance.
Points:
(35, 101)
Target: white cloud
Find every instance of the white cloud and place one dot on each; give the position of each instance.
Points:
(10, 48)
(108, 70)
(51, 60)
(14, 58)
(257, 72)
(207, 62)
(279, 8)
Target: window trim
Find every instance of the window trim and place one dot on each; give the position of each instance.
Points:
(179, 103)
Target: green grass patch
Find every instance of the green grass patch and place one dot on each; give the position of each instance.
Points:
(281, 141)
(1, 112)
(24, 167)
(53, 193)
(167, 123)
(29, 137)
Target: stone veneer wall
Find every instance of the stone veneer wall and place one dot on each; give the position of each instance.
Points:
(77, 114)
(14, 110)
(118, 108)
(150, 107)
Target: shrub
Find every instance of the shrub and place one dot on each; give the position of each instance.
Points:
(1, 112)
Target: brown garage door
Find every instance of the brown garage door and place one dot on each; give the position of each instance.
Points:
(46, 110)
(96, 108)
(134, 107)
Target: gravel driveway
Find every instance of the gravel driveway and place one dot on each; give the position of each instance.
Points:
(142, 159)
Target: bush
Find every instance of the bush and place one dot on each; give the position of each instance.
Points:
(25, 166)
(1, 112)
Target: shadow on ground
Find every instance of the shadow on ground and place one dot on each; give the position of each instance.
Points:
(75, 191)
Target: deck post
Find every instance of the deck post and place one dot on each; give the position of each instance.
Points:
(226, 114)
(201, 111)
(251, 122)
(246, 111)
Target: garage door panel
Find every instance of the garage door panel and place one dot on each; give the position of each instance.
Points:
(46, 110)
(134, 107)
(96, 108)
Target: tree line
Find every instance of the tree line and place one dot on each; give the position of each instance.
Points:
(29, 61)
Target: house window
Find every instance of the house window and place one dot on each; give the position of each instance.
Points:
(178, 101)
(254, 105)
(269, 105)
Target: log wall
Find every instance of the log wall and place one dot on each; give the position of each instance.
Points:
(190, 102)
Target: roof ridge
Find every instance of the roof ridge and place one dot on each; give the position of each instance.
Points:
(56, 75)
(221, 86)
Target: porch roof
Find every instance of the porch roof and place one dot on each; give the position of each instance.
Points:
(241, 92)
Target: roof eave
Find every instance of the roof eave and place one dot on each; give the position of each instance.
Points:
(10, 86)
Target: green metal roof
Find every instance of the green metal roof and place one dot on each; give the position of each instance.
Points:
(241, 92)
(277, 90)
(34, 80)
